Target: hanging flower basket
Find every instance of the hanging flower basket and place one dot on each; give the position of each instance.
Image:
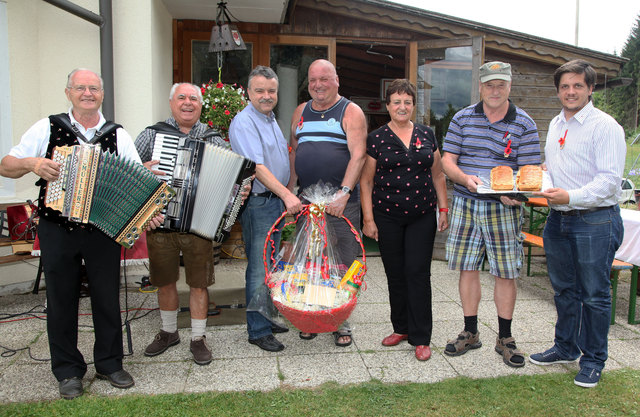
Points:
(221, 103)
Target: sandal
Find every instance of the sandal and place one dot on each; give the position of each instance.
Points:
(511, 355)
(342, 333)
(307, 336)
(465, 341)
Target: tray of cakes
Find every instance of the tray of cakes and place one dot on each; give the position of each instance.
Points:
(504, 181)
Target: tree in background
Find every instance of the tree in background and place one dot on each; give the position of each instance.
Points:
(622, 102)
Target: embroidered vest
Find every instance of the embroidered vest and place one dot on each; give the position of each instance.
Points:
(62, 134)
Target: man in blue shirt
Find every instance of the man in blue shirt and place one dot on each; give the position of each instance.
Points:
(255, 134)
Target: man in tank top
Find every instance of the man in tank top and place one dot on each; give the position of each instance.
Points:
(328, 141)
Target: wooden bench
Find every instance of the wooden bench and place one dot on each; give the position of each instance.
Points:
(14, 257)
(617, 266)
(531, 241)
(615, 271)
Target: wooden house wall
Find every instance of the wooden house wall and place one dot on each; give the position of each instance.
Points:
(354, 24)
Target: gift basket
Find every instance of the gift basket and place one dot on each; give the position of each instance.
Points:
(309, 287)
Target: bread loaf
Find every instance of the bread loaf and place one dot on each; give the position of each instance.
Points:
(529, 178)
(502, 178)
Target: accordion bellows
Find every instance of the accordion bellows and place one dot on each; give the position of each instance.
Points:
(208, 180)
(116, 195)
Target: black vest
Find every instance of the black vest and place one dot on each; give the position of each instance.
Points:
(62, 134)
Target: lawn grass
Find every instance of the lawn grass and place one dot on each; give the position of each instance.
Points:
(550, 394)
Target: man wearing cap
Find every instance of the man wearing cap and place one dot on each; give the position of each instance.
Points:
(482, 136)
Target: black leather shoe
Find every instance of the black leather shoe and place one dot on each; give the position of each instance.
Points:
(119, 379)
(268, 343)
(278, 329)
(71, 388)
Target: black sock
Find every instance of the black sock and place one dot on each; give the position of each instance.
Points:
(504, 326)
(471, 324)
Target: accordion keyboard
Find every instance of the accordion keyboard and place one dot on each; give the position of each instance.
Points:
(55, 194)
(165, 149)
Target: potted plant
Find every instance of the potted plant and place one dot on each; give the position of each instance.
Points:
(286, 241)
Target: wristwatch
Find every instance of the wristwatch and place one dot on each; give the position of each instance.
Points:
(345, 189)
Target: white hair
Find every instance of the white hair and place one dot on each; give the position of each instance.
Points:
(195, 87)
(72, 73)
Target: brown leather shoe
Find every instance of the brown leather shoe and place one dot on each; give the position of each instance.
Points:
(423, 352)
(201, 351)
(162, 342)
(393, 339)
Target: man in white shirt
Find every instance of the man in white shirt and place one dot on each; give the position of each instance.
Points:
(585, 156)
(65, 244)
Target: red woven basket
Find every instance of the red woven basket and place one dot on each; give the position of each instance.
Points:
(322, 321)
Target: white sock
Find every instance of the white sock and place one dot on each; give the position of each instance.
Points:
(169, 320)
(198, 327)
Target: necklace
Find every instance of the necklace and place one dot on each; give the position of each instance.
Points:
(322, 112)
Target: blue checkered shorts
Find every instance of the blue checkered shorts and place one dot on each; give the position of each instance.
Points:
(485, 228)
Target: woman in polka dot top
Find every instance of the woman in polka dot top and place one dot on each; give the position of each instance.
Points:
(402, 187)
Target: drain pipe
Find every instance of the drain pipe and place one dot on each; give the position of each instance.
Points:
(105, 22)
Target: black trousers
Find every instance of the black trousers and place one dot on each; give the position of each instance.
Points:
(406, 247)
(62, 254)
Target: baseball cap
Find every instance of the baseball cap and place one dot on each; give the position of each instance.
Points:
(495, 70)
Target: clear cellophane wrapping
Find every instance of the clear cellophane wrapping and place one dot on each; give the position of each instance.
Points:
(309, 278)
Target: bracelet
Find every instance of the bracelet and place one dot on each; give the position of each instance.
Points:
(443, 210)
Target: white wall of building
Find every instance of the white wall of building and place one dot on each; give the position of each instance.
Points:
(143, 57)
(45, 43)
(7, 187)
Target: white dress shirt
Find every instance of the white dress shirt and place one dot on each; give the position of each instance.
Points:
(591, 163)
(35, 140)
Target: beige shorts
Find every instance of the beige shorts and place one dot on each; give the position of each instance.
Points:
(164, 258)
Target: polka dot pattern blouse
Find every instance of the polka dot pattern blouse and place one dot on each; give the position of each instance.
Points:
(402, 183)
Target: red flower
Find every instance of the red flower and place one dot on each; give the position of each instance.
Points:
(219, 85)
(227, 112)
(202, 90)
(210, 123)
(213, 107)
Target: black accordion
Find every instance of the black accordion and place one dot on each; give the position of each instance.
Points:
(116, 195)
(207, 179)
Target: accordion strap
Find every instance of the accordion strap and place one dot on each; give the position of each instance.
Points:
(108, 127)
(164, 127)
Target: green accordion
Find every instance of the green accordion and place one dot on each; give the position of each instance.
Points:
(114, 194)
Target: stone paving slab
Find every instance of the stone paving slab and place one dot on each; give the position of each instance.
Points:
(240, 366)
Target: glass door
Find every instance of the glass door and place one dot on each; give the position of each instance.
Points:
(446, 75)
(203, 65)
(290, 56)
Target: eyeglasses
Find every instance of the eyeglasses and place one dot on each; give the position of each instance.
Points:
(93, 89)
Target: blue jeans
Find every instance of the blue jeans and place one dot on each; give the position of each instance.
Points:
(580, 250)
(257, 218)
